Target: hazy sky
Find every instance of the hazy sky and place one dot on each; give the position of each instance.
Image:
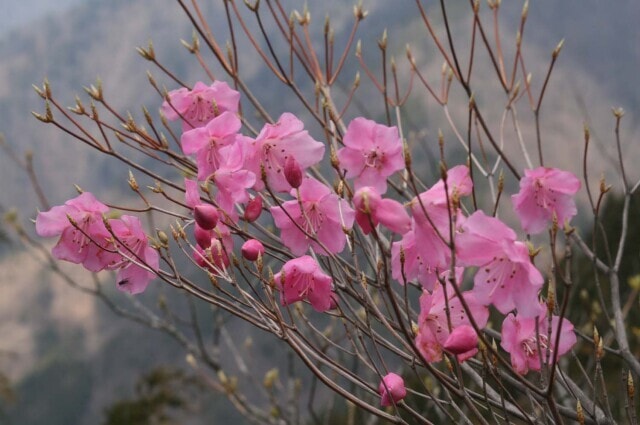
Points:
(14, 13)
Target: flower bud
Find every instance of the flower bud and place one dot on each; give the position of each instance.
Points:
(253, 209)
(203, 236)
(206, 216)
(214, 256)
(293, 172)
(251, 249)
(462, 339)
(391, 389)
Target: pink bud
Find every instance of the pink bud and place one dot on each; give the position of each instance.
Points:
(391, 389)
(206, 216)
(253, 209)
(251, 249)
(366, 202)
(214, 256)
(203, 236)
(292, 172)
(461, 340)
(219, 256)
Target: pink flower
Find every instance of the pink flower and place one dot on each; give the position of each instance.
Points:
(207, 141)
(372, 153)
(545, 192)
(252, 249)
(416, 265)
(198, 106)
(323, 215)
(138, 260)
(459, 184)
(191, 193)
(83, 243)
(231, 178)
(371, 208)
(275, 143)
(391, 389)
(302, 279)
(433, 325)
(481, 238)
(505, 277)
(519, 338)
(432, 218)
(461, 340)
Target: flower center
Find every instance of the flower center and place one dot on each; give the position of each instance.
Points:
(530, 345)
(374, 159)
(200, 110)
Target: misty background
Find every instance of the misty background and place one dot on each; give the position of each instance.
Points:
(66, 355)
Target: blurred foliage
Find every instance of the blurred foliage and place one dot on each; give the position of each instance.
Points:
(590, 285)
(160, 396)
(7, 396)
(585, 306)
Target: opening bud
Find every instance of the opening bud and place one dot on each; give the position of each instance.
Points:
(391, 389)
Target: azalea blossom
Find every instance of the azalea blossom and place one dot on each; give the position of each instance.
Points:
(372, 153)
(138, 260)
(123, 246)
(506, 277)
(302, 279)
(275, 143)
(323, 215)
(372, 209)
(459, 184)
(207, 141)
(391, 389)
(198, 106)
(433, 325)
(416, 265)
(545, 193)
(231, 179)
(528, 347)
(433, 214)
(191, 193)
(84, 241)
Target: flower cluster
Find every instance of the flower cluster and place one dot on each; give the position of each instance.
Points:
(88, 238)
(434, 239)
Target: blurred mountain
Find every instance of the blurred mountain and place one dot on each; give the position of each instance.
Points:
(71, 356)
